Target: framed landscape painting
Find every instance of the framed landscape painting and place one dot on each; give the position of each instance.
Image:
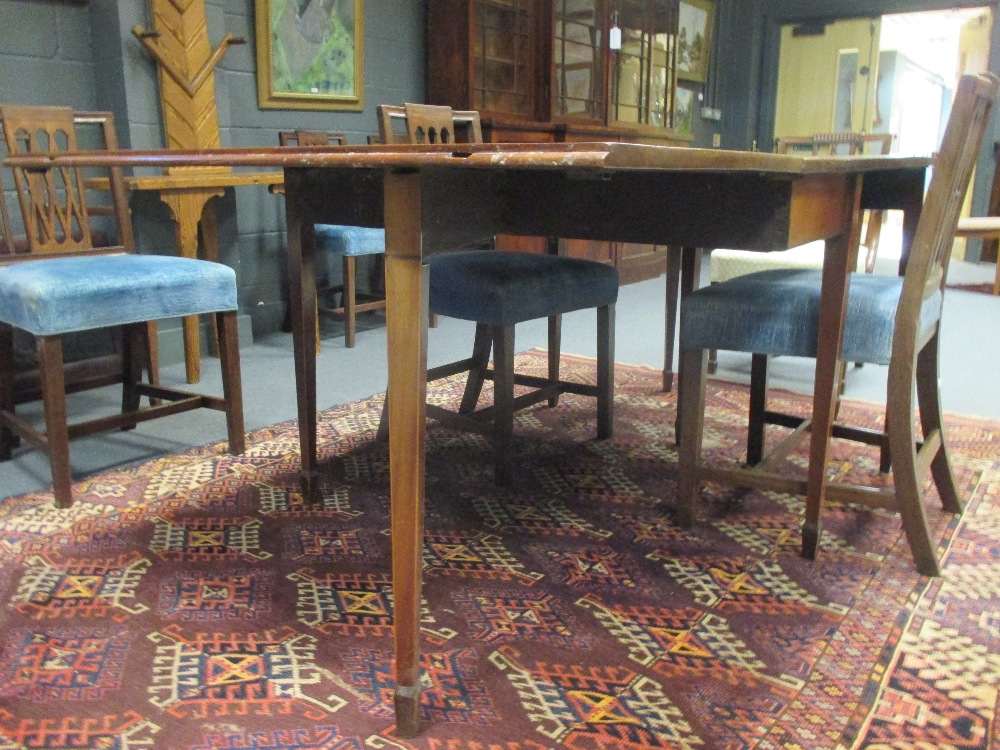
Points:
(694, 39)
(310, 54)
(684, 103)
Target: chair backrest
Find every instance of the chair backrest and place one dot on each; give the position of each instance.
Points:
(427, 123)
(7, 243)
(54, 205)
(850, 144)
(952, 171)
(311, 138)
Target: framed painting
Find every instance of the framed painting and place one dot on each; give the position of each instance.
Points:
(310, 54)
(694, 38)
(684, 104)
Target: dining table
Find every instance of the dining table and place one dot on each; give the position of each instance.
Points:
(433, 199)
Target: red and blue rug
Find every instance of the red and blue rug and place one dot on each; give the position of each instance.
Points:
(195, 603)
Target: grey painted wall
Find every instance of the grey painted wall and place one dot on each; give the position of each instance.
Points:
(84, 55)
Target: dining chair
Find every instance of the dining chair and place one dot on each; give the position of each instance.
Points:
(890, 320)
(63, 285)
(725, 264)
(497, 290)
(350, 243)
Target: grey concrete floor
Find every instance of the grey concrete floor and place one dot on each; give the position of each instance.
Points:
(970, 384)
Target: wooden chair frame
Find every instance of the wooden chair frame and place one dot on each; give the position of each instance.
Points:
(425, 123)
(913, 369)
(349, 307)
(56, 216)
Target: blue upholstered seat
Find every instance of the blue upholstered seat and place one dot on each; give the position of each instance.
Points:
(777, 312)
(347, 240)
(62, 295)
(504, 288)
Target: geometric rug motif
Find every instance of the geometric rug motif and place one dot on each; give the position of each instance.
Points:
(221, 674)
(355, 605)
(53, 586)
(196, 602)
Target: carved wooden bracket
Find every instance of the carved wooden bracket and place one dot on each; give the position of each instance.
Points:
(178, 72)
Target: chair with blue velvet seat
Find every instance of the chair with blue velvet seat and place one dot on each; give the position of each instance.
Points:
(64, 285)
(890, 320)
(350, 243)
(497, 290)
(725, 264)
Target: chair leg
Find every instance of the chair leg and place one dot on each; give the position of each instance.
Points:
(605, 371)
(758, 405)
(232, 383)
(902, 445)
(382, 433)
(316, 332)
(134, 338)
(477, 373)
(929, 400)
(713, 361)
(691, 400)
(52, 377)
(871, 239)
(8, 440)
(555, 349)
(350, 300)
(152, 357)
(503, 401)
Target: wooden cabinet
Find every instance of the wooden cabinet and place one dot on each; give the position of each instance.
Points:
(542, 71)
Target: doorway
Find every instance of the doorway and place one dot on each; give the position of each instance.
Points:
(891, 74)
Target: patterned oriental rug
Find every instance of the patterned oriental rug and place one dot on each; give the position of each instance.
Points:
(194, 603)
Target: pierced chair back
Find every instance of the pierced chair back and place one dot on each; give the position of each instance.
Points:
(7, 244)
(935, 233)
(428, 123)
(54, 203)
(310, 138)
(833, 144)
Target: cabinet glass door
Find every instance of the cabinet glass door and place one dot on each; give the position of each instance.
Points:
(644, 70)
(503, 73)
(579, 43)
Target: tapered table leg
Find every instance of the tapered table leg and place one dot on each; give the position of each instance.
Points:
(302, 304)
(406, 330)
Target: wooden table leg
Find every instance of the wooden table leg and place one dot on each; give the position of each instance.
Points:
(302, 308)
(186, 206)
(833, 304)
(690, 276)
(406, 330)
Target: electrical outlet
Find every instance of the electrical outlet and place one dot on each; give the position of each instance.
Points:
(716, 140)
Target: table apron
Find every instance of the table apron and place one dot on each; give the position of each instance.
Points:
(462, 206)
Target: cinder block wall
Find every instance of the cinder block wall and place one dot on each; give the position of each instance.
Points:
(85, 56)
